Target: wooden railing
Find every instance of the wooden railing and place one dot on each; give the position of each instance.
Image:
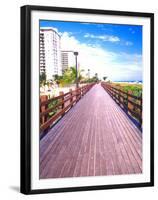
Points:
(54, 108)
(130, 103)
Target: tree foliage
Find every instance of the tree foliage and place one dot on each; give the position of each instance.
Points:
(69, 76)
(42, 78)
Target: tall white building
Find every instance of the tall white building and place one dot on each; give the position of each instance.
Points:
(50, 52)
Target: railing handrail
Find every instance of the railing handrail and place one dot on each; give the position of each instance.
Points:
(57, 105)
(44, 110)
(117, 94)
(61, 96)
(133, 96)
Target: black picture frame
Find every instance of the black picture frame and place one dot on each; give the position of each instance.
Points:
(25, 183)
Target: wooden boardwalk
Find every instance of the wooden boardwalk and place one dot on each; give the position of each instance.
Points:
(94, 138)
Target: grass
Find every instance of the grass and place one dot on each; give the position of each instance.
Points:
(135, 89)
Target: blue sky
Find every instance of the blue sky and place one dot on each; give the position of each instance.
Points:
(117, 48)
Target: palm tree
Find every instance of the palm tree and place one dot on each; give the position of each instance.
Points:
(96, 76)
(105, 77)
(73, 69)
(69, 76)
(88, 73)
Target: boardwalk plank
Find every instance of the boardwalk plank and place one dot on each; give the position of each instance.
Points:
(94, 138)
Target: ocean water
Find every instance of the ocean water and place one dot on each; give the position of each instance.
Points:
(131, 81)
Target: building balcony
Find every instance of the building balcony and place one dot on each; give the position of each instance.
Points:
(42, 55)
(42, 44)
(42, 63)
(42, 67)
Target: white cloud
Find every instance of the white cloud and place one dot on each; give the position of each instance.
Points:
(128, 43)
(131, 30)
(107, 38)
(117, 66)
(129, 58)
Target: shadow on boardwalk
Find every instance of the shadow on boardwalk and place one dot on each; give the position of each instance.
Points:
(94, 138)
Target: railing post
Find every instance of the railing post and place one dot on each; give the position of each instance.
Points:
(87, 88)
(115, 94)
(71, 98)
(43, 108)
(121, 97)
(75, 92)
(130, 106)
(79, 93)
(82, 91)
(108, 89)
(140, 119)
(127, 100)
(119, 100)
(112, 91)
(62, 99)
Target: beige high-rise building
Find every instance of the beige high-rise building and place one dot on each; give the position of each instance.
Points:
(67, 59)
